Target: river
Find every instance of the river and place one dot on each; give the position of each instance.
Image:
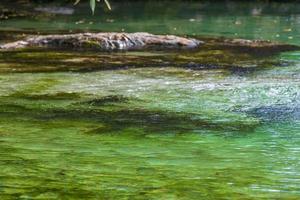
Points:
(152, 132)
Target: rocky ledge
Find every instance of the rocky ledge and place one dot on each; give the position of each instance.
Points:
(105, 41)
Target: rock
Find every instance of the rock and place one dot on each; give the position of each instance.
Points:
(11, 13)
(276, 113)
(56, 10)
(236, 56)
(257, 47)
(105, 41)
(264, 44)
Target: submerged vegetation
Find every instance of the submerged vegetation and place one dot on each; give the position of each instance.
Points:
(221, 121)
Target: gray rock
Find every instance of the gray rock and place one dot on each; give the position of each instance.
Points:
(105, 41)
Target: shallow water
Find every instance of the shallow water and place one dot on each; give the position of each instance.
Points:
(153, 132)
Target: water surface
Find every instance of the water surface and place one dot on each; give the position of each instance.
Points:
(156, 132)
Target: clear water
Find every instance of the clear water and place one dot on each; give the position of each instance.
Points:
(156, 133)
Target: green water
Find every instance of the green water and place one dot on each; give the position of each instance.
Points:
(152, 132)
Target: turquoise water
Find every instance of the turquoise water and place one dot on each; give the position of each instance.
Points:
(253, 20)
(154, 132)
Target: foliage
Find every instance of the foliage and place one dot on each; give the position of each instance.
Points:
(93, 4)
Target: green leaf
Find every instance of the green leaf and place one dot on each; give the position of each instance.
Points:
(76, 2)
(93, 5)
(107, 4)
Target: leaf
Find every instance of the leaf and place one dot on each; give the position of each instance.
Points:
(107, 4)
(76, 2)
(93, 5)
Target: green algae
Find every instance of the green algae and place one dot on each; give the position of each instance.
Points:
(39, 100)
(165, 125)
(106, 100)
(152, 121)
(151, 167)
(33, 61)
(56, 96)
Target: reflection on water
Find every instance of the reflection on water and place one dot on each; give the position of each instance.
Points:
(157, 132)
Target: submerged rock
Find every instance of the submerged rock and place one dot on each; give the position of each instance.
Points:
(10, 13)
(255, 47)
(277, 113)
(56, 10)
(105, 41)
(236, 56)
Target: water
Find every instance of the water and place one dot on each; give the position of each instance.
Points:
(156, 132)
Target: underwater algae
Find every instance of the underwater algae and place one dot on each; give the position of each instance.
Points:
(218, 122)
(157, 128)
